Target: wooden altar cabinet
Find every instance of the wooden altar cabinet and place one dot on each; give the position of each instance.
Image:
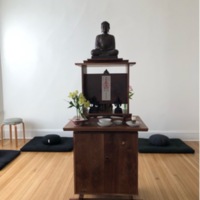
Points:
(105, 158)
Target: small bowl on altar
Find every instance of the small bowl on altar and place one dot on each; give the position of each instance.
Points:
(105, 121)
(133, 124)
(117, 122)
(79, 122)
(133, 119)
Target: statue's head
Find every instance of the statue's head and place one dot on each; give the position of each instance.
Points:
(105, 27)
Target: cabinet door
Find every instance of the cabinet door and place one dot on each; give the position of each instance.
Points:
(88, 163)
(106, 163)
(121, 163)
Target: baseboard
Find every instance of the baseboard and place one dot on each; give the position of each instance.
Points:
(181, 134)
(184, 135)
(40, 132)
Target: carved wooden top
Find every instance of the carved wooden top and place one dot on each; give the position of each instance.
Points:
(118, 61)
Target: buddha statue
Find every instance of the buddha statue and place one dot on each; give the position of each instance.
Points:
(104, 44)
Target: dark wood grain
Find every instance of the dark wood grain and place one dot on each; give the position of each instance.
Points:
(106, 163)
(106, 158)
(88, 165)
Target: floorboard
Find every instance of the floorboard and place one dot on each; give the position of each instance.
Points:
(49, 176)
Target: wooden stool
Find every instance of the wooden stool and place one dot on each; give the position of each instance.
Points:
(13, 122)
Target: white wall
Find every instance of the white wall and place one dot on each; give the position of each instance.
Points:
(1, 98)
(1, 92)
(42, 39)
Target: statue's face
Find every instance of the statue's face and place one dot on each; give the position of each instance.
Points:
(105, 28)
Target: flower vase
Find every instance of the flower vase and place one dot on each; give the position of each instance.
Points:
(79, 119)
(125, 108)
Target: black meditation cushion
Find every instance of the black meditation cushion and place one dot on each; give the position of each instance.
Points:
(51, 139)
(159, 140)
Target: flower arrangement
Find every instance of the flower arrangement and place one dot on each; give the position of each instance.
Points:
(79, 102)
(130, 92)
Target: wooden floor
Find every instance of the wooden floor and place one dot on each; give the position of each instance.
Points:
(49, 176)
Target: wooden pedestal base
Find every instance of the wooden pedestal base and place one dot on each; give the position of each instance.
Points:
(106, 160)
(107, 197)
